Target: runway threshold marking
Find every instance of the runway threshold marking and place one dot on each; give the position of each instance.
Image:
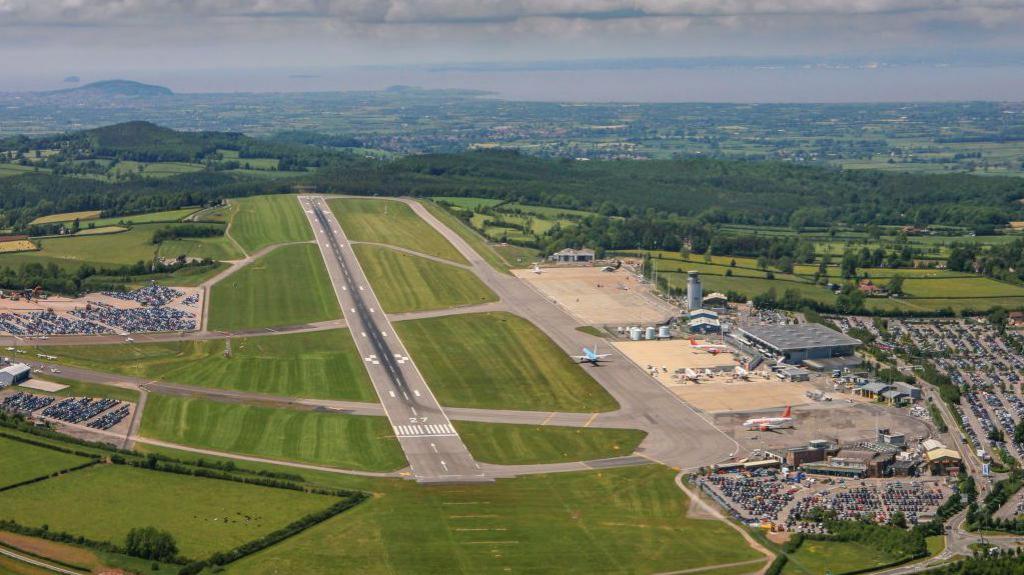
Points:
(424, 430)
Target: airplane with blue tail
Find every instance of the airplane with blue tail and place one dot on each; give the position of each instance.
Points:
(591, 356)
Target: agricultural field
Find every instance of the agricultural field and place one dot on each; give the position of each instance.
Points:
(112, 250)
(317, 365)
(976, 287)
(103, 503)
(101, 230)
(332, 439)
(404, 282)
(82, 558)
(20, 461)
(152, 217)
(151, 169)
(499, 361)
(817, 557)
(253, 164)
(16, 169)
(15, 246)
(509, 444)
(66, 217)
(626, 520)
(393, 223)
(288, 286)
(260, 221)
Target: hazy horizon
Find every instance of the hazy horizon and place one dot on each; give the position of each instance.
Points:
(262, 45)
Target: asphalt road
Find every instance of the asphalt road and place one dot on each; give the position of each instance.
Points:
(432, 446)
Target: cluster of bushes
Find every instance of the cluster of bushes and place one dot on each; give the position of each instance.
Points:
(982, 516)
(1002, 562)
(186, 231)
(55, 279)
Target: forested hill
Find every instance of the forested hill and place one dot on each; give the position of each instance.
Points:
(711, 190)
(773, 193)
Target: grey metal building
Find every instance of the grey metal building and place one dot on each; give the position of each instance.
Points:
(798, 342)
(14, 374)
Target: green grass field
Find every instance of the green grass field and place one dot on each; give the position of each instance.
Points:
(263, 220)
(404, 282)
(113, 250)
(152, 217)
(318, 365)
(323, 438)
(499, 361)
(287, 286)
(961, 288)
(218, 248)
(393, 223)
(628, 520)
(16, 170)
(467, 203)
(475, 240)
(510, 444)
(818, 557)
(81, 388)
(20, 461)
(152, 169)
(104, 502)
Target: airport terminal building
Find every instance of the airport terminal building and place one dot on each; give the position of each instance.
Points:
(797, 343)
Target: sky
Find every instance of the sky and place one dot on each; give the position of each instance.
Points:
(43, 41)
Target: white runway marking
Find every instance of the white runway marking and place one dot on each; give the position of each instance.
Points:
(424, 430)
(416, 392)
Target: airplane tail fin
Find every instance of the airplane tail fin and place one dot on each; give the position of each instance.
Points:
(787, 412)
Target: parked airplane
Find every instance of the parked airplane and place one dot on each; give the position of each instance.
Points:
(691, 375)
(741, 373)
(770, 423)
(711, 348)
(592, 356)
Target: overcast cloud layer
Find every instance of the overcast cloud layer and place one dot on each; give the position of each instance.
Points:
(90, 37)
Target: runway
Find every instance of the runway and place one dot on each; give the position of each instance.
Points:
(432, 446)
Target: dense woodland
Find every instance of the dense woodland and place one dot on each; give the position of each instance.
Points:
(663, 204)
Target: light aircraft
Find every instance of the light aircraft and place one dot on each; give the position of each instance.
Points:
(691, 375)
(741, 373)
(591, 356)
(770, 423)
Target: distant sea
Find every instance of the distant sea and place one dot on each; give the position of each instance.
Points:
(645, 84)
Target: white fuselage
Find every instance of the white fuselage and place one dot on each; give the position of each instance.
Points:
(766, 423)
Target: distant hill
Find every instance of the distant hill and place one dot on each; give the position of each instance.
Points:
(122, 88)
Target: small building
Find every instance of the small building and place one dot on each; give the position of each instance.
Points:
(1016, 318)
(904, 468)
(702, 312)
(943, 461)
(798, 456)
(854, 463)
(14, 374)
(930, 444)
(705, 325)
(896, 393)
(716, 300)
(793, 373)
(573, 256)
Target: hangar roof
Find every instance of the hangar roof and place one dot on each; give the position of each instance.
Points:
(799, 336)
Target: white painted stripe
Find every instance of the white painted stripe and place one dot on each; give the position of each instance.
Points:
(391, 393)
(416, 392)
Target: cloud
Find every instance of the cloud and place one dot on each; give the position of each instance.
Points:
(72, 12)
